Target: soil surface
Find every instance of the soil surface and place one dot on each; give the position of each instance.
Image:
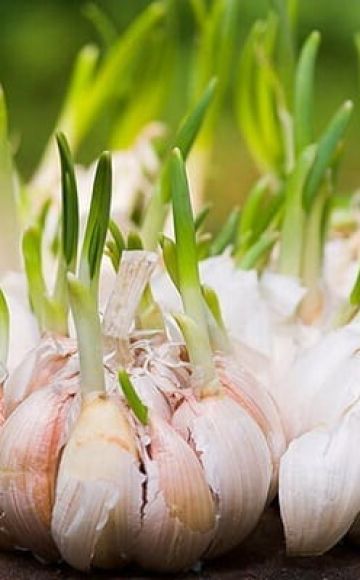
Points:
(261, 556)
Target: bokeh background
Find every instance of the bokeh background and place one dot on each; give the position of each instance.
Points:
(40, 39)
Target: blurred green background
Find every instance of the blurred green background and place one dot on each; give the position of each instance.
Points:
(40, 39)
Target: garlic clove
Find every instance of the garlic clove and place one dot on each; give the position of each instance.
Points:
(97, 510)
(39, 368)
(30, 443)
(322, 383)
(178, 517)
(283, 293)
(319, 489)
(242, 387)
(237, 464)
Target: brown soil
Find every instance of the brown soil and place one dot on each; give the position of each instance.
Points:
(261, 556)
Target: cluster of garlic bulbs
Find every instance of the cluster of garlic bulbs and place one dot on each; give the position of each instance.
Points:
(158, 392)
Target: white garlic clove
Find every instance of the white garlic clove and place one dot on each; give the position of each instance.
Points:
(241, 386)
(237, 464)
(178, 518)
(97, 510)
(41, 366)
(319, 486)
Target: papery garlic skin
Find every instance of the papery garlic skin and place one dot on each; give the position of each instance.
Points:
(236, 460)
(319, 491)
(30, 444)
(162, 362)
(43, 365)
(178, 520)
(97, 511)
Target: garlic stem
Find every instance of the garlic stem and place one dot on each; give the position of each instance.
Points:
(313, 242)
(70, 206)
(187, 266)
(52, 310)
(257, 251)
(50, 313)
(292, 232)
(219, 338)
(169, 256)
(227, 233)
(326, 149)
(69, 223)
(157, 209)
(97, 225)
(247, 230)
(88, 329)
(140, 410)
(115, 246)
(304, 88)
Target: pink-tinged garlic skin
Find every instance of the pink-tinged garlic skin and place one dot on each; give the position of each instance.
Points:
(241, 386)
(97, 511)
(236, 460)
(178, 520)
(42, 366)
(31, 440)
(162, 361)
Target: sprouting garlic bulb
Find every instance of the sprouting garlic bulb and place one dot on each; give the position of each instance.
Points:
(189, 485)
